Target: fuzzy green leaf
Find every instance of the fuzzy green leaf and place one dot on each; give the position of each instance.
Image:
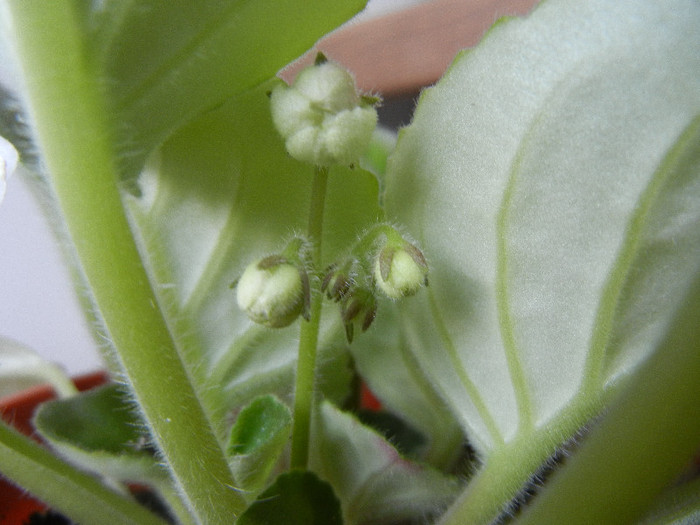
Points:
(558, 228)
(296, 498)
(257, 440)
(70, 490)
(373, 481)
(99, 431)
(552, 180)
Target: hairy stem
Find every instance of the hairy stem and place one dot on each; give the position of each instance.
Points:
(651, 433)
(511, 465)
(308, 338)
(73, 132)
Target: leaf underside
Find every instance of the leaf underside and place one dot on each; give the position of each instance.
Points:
(560, 228)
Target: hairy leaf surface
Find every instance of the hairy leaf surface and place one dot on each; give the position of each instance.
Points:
(551, 181)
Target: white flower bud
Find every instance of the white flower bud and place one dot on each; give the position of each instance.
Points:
(400, 272)
(322, 118)
(272, 292)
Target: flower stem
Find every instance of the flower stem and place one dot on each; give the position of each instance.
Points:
(308, 338)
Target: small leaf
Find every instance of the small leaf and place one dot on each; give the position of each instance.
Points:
(257, 440)
(99, 431)
(296, 498)
(374, 483)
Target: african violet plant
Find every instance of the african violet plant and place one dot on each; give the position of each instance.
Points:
(235, 241)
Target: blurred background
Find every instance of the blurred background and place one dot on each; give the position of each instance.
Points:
(38, 305)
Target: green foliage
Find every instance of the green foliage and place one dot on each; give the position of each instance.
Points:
(69, 490)
(257, 440)
(551, 180)
(551, 177)
(97, 430)
(295, 498)
(373, 481)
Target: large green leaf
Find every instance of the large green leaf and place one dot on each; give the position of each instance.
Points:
(552, 180)
(166, 62)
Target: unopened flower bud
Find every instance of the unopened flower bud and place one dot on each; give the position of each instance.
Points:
(273, 291)
(322, 118)
(357, 306)
(400, 272)
(336, 282)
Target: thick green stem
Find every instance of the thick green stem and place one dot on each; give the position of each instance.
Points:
(308, 338)
(649, 435)
(70, 491)
(74, 136)
(510, 466)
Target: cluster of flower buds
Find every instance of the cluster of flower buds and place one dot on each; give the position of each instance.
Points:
(347, 286)
(322, 117)
(395, 267)
(274, 291)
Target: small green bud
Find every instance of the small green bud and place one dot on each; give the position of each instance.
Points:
(322, 118)
(273, 291)
(358, 305)
(336, 282)
(400, 272)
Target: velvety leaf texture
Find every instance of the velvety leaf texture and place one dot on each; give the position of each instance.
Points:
(99, 431)
(551, 177)
(373, 481)
(257, 440)
(166, 62)
(296, 498)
